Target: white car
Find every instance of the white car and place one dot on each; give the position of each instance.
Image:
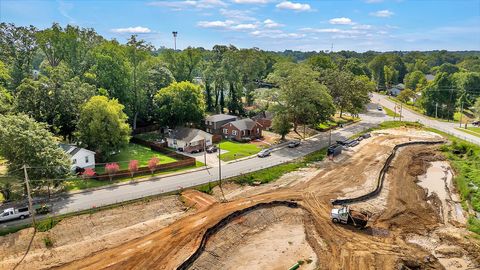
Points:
(14, 213)
(264, 153)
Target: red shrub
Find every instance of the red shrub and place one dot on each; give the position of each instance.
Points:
(89, 173)
(133, 167)
(152, 163)
(111, 169)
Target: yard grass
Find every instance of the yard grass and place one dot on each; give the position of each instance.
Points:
(80, 184)
(390, 112)
(335, 121)
(237, 150)
(149, 136)
(471, 131)
(134, 152)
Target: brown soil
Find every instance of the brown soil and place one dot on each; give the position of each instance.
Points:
(197, 199)
(398, 236)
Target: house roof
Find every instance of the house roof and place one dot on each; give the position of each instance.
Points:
(220, 117)
(72, 149)
(188, 134)
(429, 77)
(244, 124)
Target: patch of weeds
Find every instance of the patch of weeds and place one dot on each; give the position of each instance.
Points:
(47, 224)
(48, 241)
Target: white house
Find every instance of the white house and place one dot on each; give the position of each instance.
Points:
(189, 139)
(80, 157)
(395, 91)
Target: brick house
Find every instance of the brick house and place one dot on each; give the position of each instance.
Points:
(242, 130)
(214, 123)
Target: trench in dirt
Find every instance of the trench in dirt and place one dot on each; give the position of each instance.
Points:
(224, 222)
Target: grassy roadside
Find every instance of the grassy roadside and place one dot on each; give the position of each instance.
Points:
(390, 112)
(80, 184)
(237, 150)
(469, 131)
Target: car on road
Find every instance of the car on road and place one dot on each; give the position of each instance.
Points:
(14, 213)
(212, 149)
(264, 153)
(379, 108)
(293, 144)
(476, 123)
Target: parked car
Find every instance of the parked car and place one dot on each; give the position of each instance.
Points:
(293, 144)
(379, 108)
(264, 153)
(14, 213)
(366, 135)
(353, 143)
(476, 123)
(212, 149)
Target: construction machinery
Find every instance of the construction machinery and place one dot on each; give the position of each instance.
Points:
(346, 215)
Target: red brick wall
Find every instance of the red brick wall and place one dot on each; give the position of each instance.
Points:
(253, 133)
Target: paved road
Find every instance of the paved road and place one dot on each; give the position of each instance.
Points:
(115, 194)
(409, 115)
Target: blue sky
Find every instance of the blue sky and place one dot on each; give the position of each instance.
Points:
(362, 25)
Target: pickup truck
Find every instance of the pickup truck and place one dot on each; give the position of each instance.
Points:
(346, 215)
(14, 213)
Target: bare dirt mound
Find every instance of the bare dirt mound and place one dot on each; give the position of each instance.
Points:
(197, 199)
(269, 238)
(384, 245)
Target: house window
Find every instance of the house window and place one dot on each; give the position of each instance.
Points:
(74, 161)
(225, 131)
(234, 132)
(258, 130)
(86, 159)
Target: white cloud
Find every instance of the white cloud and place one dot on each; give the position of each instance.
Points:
(239, 15)
(215, 24)
(132, 30)
(179, 5)
(341, 20)
(331, 30)
(293, 6)
(247, 26)
(276, 34)
(373, 1)
(382, 13)
(251, 1)
(362, 26)
(268, 23)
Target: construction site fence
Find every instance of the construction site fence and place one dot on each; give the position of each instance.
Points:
(383, 172)
(223, 222)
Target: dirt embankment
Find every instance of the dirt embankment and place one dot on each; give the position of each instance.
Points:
(393, 240)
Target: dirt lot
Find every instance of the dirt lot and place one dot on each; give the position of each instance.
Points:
(412, 226)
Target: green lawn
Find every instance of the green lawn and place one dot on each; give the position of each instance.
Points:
(149, 136)
(237, 150)
(475, 131)
(134, 152)
(335, 121)
(390, 112)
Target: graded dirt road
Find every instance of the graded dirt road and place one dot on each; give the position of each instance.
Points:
(404, 220)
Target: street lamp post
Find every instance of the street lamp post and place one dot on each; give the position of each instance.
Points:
(175, 33)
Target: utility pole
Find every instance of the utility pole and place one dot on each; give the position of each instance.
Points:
(175, 33)
(461, 113)
(394, 111)
(30, 204)
(205, 151)
(220, 172)
(330, 137)
(436, 109)
(401, 108)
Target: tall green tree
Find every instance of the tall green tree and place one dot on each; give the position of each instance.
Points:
(320, 62)
(300, 96)
(138, 51)
(6, 99)
(179, 104)
(27, 142)
(281, 124)
(55, 99)
(17, 49)
(440, 96)
(415, 80)
(102, 126)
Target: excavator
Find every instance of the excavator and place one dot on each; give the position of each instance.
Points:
(346, 215)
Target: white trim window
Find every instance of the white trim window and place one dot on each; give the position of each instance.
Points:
(225, 131)
(234, 132)
(86, 159)
(74, 161)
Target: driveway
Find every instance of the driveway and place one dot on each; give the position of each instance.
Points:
(211, 158)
